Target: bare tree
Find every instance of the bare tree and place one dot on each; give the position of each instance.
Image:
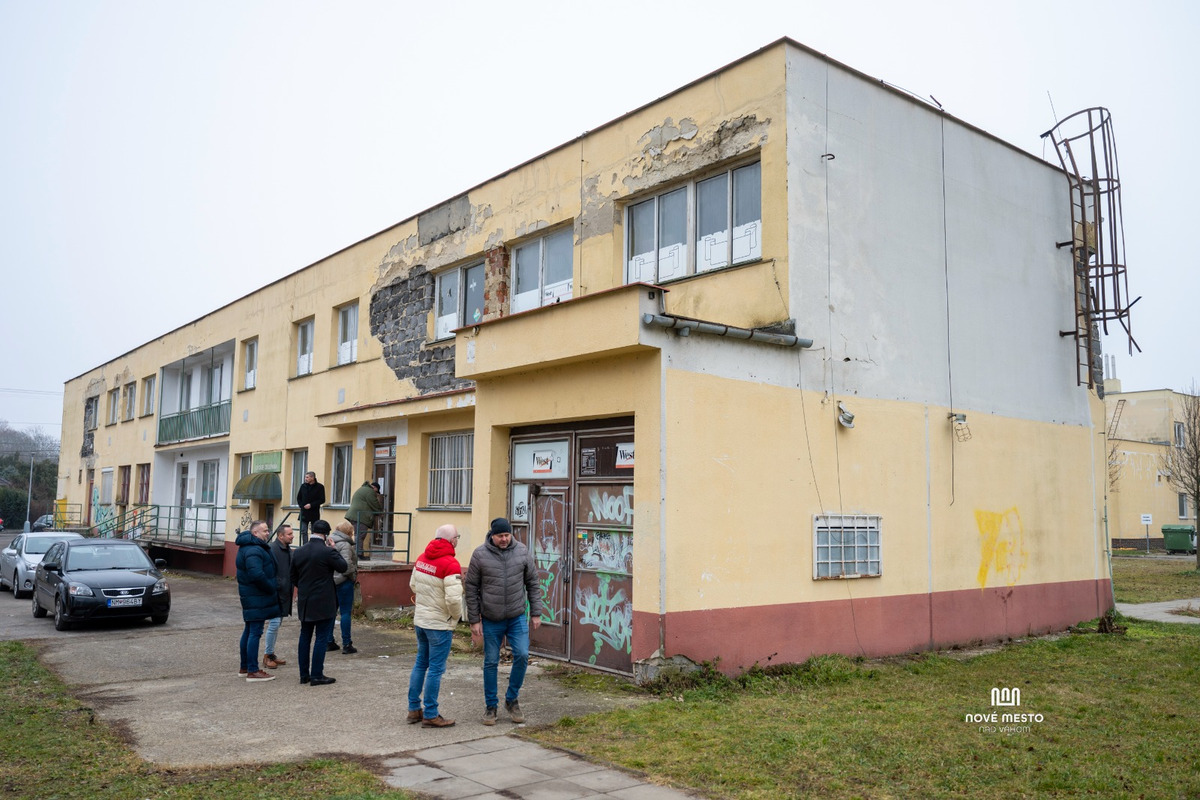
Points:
(1181, 461)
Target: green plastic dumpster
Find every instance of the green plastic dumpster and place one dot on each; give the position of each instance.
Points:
(1179, 538)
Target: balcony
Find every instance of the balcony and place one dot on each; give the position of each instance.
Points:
(195, 423)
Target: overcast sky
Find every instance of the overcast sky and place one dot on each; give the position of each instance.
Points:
(161, 159)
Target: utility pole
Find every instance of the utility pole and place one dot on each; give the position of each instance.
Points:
(29, 496)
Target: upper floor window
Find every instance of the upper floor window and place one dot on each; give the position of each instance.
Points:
(148, 395)
(304, 347)
(129, 402)
(347, 334)
(543, 271)
(185, 391)
(91, 413)
(250, 364)
(1180, 436)
(460, 299)
(212, 379)
(703, 225)
(114, 405)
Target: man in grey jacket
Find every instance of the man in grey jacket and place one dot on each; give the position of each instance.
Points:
(500, 577)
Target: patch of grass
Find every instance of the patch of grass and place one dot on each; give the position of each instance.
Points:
(575, 677)
(1152, 580)
(1117, 717)
(55, 747)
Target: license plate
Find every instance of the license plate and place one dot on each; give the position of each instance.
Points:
(121, 602)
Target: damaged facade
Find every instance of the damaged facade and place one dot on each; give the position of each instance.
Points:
(578, 344)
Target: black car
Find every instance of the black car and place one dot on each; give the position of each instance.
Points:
(84, 579)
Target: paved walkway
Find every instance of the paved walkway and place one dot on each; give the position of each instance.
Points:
(504, 768)
(1161, 612)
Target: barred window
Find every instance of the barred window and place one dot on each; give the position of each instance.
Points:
(846, 546)
(451, 466)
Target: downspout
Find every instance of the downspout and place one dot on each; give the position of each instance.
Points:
(686, 326)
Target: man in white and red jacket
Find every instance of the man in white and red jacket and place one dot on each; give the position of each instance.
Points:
(437, 589)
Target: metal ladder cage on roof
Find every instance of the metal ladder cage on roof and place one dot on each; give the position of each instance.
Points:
(1086, 148)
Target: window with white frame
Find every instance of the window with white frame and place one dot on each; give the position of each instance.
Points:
(208, 482)
(543, 270)
(114, 406)
(341, 475)
(148, 395)
(451, 468)
(1183, 506)
(211, 379)
(846, 546)
(1180, 436)
(703, 225)
(460, 299)
(250, 364)
(129, 401)
(185, 390)
(347, 334)
(304, 347)
(106, 487)
(299, 467)
(245, 465)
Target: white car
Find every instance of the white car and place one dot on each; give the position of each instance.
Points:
(19, 560)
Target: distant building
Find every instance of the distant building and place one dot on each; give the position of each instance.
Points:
(1141, 426)
(769, 367)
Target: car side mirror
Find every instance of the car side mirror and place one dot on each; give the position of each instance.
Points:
(51, 566)
(161, 563)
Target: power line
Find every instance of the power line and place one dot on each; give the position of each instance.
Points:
(30, 391)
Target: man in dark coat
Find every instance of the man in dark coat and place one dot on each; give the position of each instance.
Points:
(281, 549)
(257, 591)
(313, 566)
(310, 497)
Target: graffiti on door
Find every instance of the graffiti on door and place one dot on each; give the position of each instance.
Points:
(548, 556)
(609, 612)
(608, 551)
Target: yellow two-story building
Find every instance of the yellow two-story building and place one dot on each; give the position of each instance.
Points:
(769, 367)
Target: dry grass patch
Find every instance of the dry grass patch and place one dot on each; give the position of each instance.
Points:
(1153, 580)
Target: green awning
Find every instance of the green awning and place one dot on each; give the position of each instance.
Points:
(259, 486)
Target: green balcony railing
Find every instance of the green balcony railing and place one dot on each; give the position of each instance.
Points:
(195, 423)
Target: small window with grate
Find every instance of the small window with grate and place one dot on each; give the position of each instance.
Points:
(846, 546)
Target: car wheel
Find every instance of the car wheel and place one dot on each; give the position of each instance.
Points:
(60, 615)
(38, 611)
(158, 619)
(16, 587)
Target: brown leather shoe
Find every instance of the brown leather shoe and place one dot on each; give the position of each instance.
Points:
(270, 661)
(437, 722)
(259, 676)
(414, 717)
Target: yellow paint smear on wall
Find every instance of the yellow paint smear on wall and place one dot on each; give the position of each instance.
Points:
(1001, 545)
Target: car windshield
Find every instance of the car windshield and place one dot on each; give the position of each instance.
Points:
(38, 545)
(95, 557)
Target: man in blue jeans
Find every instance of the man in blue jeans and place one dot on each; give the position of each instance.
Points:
(437, 589)
(500, 579)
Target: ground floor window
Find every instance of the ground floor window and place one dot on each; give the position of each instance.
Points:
(846, 546)
(208, 483)
(451, 468)
(341, 475)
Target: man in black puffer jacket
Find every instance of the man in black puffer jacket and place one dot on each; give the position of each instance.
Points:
(500, 577)
(258, 593)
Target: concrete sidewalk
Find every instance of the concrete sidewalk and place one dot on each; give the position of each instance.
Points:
(1161, 612)
(174, 693)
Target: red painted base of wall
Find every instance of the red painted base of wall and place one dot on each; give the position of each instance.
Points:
(871, 627)
(382, 587)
